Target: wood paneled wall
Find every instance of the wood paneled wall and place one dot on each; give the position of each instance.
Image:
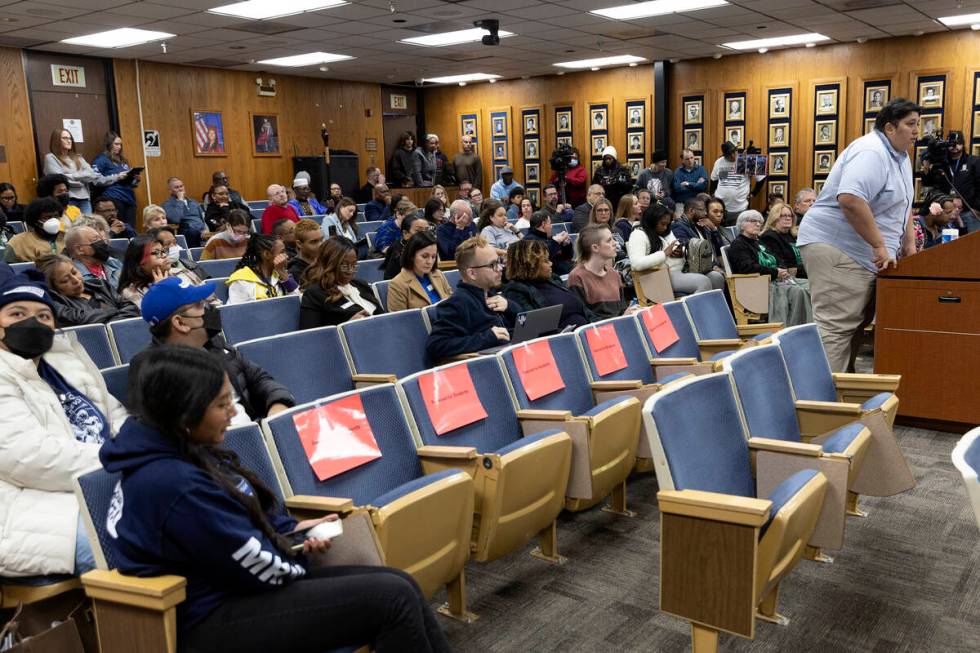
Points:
(901, 60)
(16, 130)
(444, 105)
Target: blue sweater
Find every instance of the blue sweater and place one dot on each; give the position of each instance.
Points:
(682, 194)
(175, 519)
(121, 191)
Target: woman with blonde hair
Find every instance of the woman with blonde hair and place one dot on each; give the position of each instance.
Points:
(63, 159)
(602, 215)
(627, 215)
(154, 217)
(778, 237)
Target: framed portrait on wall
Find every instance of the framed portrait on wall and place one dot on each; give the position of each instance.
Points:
(565, 140)
(497, 167)
(265, 134)
(530, 125)
(825, 132)
(532, 194)
(777, 188)
(930, 124)
(692, 139)
(827, 102)
(931, 94)
(635, 144)
(532, 173)
(595, 165)
(697, 160)
(823, 161)
(918, 198)
(777, 135)
(779, 105)
(693, 111)
(735, 135)
(976, 124)
(531, 148)
(600, 119)
(734, 109)
(209, 133)
(598, 145)
(635, 117)
(976, 149)
(917, 162)
(818, 186)
(634, 166)
(777, 163)
(499, 125)
(500, 151)
(468, 128)
(563, 121)
(869, 124)
(875, 97)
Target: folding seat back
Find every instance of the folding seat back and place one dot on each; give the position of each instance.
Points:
(96, 491)
(95, 340)
(452, 278)
(16, 226)
(195, 253)
(687, 343)
(390, 343)
(710, 315)
(624, 335)
(764, 392)
(266, 317)
(222, 267)
(966, 458)
(20, 267)
(221, 288)
(370, 271)
(806, 360)
(311, 363)
(119, 243)
(429, 314)
(129, 337)
(257, 204)
(381, 292)
(117, 381)
(181, 241)
(248, 444)
(575, 395)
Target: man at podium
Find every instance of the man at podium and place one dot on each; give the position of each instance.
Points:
(857, 227)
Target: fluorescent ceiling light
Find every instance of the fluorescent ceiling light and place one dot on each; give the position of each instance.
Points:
(956, 21)
(308, 59)
(119, 38)
(453, 38)
(603, 61)
(656, 8)
(260, 9)
(456, 79)
(795, 39)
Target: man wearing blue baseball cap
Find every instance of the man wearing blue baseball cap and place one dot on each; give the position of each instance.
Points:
(178, 314)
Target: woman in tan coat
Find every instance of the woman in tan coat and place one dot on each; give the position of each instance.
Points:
(419, 283)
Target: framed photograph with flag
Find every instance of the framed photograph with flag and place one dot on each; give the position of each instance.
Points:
(209, 133)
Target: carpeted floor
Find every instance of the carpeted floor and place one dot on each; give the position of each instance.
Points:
(908, 579)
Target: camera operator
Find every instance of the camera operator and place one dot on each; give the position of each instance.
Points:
(568, 160)
(948, 168)
(614, 177)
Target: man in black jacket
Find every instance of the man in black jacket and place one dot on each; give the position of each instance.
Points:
(958, 176)
(559, 245)
(178, 315)
(471, 319)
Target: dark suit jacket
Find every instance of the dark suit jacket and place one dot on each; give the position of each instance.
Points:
(462, 323)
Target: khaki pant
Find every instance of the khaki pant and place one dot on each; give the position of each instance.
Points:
(842, 293)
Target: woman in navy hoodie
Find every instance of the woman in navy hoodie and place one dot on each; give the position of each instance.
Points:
(185, 506)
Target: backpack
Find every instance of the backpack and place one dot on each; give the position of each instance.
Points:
(699, 256)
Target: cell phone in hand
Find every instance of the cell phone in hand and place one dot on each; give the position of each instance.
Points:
(326, 530)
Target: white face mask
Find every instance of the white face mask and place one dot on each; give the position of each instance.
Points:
(573, 163)
(51, 226)
(173, 254)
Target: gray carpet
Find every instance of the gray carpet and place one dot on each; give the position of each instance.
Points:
(908, 579)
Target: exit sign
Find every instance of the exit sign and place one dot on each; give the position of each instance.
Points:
(67, 75)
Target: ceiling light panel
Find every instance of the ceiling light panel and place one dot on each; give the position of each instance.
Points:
(958, 21)
(453, 38)
(656, 8)
(263, 9)
(793, 39)
(119, 38)
(600, 62)
(309, 59)
(455, 79)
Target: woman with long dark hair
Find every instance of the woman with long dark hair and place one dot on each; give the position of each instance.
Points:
(331, 294)
(653, 245)
(9, 204)
(220, 204)
(261, 272)
(110, 163)
(80, 301)
(402, 164)
(192, 508)
(144, 263)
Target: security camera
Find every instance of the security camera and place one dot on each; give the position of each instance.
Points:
(419, 81)
(491, 25)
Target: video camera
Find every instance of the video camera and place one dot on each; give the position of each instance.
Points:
(937, 148)
(561, 159)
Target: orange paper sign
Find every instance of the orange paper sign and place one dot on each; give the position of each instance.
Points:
(606, 350)
(451, 399)
(336, 437)
(661, 329)
(537, 368)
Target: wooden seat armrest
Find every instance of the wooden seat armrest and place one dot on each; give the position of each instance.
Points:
(153, 592)
(440, 451)
(673, 361)
(757, 329)
(308, 502)
(374, 378)
(714, 506)
(829, 407)
(613, 386)
(535, 414)
(721, 342)
(785, 446)
(753, 275)
(878, 382)
(447, 265)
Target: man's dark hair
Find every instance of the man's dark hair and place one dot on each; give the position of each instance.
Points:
(895, 111)
(37, 208)
(548, 186)
(101, 199)
(514, 192)
(538, 218)
(46, 184)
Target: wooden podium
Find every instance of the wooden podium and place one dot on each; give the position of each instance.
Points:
(928, 330)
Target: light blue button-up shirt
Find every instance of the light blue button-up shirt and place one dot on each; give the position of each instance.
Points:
(869, 168)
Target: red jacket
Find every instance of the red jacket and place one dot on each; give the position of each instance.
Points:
(576, 183)
(274, 214)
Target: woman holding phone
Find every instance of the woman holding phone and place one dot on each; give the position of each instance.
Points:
(187, 506)
(653, 245)
(111, 163)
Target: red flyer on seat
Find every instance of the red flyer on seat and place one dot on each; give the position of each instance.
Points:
(451, 399)
(535, 363)
(606, 350)
(661, 329)
(336, 437)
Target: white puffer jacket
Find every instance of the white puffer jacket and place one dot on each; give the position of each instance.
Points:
(39, 456)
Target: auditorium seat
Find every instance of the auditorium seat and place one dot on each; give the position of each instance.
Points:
(95, 340)
(604, 435)
(726, 541)
(20, 267)
(220, 288)
(257, 204)
(119, 244)
(257, 319)
(452, 277)
(381, 292)
(390, 344)
(716, 329)
(195, 253)
(368, 227)
(653, 286)
(767, 406)
(222, 267)
(129, 337)
(257, 221)
(966, 458)
(16, 226)
(117, 381)
(181, 240)
(429, 313)
(749, 292)
(681, 356)
(370, 270)
(520, 481)
(423, 520)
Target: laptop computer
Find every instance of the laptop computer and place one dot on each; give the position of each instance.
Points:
(530, 325)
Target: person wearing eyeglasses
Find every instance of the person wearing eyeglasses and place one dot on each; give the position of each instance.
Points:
(331, 294)
(8, 202)
(473, 318)
(144, 264)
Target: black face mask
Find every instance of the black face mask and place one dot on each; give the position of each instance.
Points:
(212, 321)
(62, 199)
(28, 338)
(101, 251)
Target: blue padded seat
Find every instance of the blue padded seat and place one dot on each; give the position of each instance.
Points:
(972, 456)
(411, 486)
(841, 439)
(687, 343)
(95, 340)
(381, 292)
(765, 393)
(609, 403)
(784, 492)
(96, 488)
(807, 363)
(711, 316)
(266, 317)
(390, 343)
(876, 401)
(762, 336)
(117, 381)
(222, 267)
(673, 377)
(576, 396)
(130, 337)
(526, 440)
(638, 366)
(247, 443)
(721, 355)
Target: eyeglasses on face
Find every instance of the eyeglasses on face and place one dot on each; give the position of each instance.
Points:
(348, 267)
(159, 253)
(495, 265)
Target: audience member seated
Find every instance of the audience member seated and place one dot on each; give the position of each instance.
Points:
(219, 178)
(63, 159)
(411, 224)
(185, 212)
(495, 229)
(439, 193)
(402, 164)
(458, 228)
(937, 213)
(56, 413)
(105, 207)
(532, 284)
(802, 201)
(232, 239)
(464, 189)
(559, 212)
(309, 237)
(501, 188)
(261, 272)
(278, 208)
(513, 203)
(560, 251)
(613, 176)
(777, 237)
(576, 179)
(715, 208)
(56, 187)
(336, 193)
(594, 280)
(379, 208)
(191, 508)
(476, 200)
(180, 266)
(580, 217)
(343, 222)
(178, 314)
(219, 207)
(285, 230)
(419, 283)
(694, 224)
(112, 162)
(471, 319)
(524, 217)
(8, 203)
(78, 301)
(627, 216)
(305, 204)
(144, 264)
(467, 166)
(644, 199)
(92, 255)
(653, 244)
(602, 215)
(331, 294)
(154, 217)
(366, 192)
(390, 231)
(42, 233)
(435, 212)
(101, 227)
